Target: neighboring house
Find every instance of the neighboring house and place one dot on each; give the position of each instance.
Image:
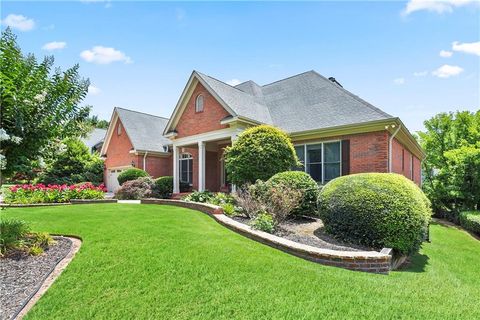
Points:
(334, 132)
(94, 140)
(134, 139)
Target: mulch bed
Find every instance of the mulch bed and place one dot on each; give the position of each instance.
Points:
(309, 231)
(21, 275)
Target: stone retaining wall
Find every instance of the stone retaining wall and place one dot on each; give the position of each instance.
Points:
(367, 261)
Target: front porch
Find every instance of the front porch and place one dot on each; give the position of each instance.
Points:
(199, 163)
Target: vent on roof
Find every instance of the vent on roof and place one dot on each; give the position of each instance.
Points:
(335, 81)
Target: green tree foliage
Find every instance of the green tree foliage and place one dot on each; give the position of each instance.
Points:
(95, 122)
(452, 166)
(38, 104)
(74, 164)
(259, 153)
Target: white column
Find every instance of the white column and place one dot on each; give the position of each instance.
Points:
(234, 137)
(201, 166)
(176, 175)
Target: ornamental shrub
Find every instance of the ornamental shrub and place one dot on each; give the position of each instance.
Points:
(163, 187)
(377, 210)
(12, 233)
(135, 189)
(199, 196)
(302, 181)
(131, 174)
(259, 153)
(470, 220)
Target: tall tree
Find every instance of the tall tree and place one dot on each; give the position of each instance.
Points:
(38, 105)
(452, 165)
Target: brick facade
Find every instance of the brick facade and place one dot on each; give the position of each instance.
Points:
(405, 163)
(192, 122)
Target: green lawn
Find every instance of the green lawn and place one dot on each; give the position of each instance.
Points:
(154, 262)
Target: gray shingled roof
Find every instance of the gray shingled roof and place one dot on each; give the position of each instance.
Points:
(94, 137)
(307, 101)
(144, 130)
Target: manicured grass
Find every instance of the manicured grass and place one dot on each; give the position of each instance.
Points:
(164, 262)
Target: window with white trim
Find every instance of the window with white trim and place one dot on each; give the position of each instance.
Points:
(199, 103)
(119, 129)
(323, 161)
(186, 168)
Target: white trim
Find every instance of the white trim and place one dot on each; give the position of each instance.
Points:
(197, 109)
(207, 136)
(201, 165)
(176, 173)
(390, 146)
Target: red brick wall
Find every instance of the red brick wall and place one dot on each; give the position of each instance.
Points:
(191, 122)
(368, 151)
(118, 149)
(399, 153)
(156, 166)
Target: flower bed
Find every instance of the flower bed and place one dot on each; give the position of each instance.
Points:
(40, 193)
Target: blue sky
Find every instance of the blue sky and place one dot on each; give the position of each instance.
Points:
(139, 55)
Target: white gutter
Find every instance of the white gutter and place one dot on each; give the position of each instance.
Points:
(144, 160)
(390, 141)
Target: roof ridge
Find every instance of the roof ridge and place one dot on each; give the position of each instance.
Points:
(366, 103)
(295, 75)
(148, 114)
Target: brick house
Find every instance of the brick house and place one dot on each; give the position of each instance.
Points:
(334, 132)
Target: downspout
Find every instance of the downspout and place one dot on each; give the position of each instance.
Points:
(144, 161)
(390, 142)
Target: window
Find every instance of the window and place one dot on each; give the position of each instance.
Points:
(411, 167)
(119, 129)
(322, 160)
(199, 103)
(186, 168)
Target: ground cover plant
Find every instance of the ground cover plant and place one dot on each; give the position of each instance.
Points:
(16, 236)
(40, 193)
(181, 264)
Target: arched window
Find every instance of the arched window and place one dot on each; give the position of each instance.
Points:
(199, 103)
(186, 168)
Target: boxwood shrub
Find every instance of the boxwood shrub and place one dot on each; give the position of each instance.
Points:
(377, 210)
(470, 220)
(301, 181)
(163, 187)
(131, 174)
(259, 153)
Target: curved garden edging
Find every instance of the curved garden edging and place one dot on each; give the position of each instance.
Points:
(367, 261)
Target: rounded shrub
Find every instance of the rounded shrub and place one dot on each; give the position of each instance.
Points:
(259, 153)
(163, 187)
(470, 220)
(135, 189)
(302, 181)
(131, 174)
(377, 210)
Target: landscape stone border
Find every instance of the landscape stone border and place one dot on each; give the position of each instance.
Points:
(367, 261)
(54, 274)
(72, 201)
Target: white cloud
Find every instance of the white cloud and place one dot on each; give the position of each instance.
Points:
(234, 82)
(92, 90)
(472, 47)
(54, 45)
(420, 73)
(399, 81)
(438, 6)
(447, 71)
(17, 21)
(104, 55)
(445, 54)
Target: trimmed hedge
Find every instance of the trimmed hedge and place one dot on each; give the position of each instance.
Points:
(301, 181)
(470, 220)
(131, 174)
(163, 187)
(377, 210)
(259, 153)
(135, 189)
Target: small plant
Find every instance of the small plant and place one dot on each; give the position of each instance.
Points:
(135, 189)
(131, 174)
(249, 200)
(163, 187)
(264, 222)
(35, 250)
(199, 196)
(221, 198)
(12, 234)
(228, 209)
(41, 239)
